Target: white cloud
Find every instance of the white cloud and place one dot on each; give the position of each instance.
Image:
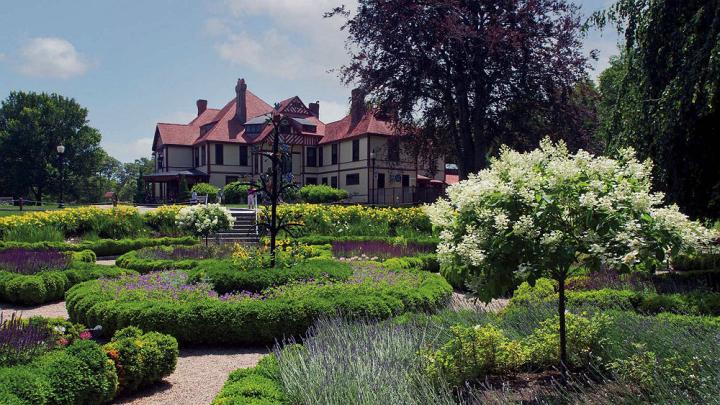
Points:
(301, 42)
(129, 150)
(51, 58)
(216, 27)
(331, 111)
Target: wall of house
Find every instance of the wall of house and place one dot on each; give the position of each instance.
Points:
(179, 158)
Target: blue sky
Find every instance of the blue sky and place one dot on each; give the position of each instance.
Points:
(134, 63)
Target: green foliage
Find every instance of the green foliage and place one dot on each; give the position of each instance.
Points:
(225, 277)
(259, 385)
(285, 311)
(235, 193)
(318, 194)
(32, 234)
(645, 302)
(86, 256)
(31, 127)
(141, 359)
(50, 286)
(206, 189)
(664, 98)
(478, 351)
(78, 374)
(183, 190)
(103, 247)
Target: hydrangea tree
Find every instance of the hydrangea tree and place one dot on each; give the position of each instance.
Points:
(203, 220)
(544, 212)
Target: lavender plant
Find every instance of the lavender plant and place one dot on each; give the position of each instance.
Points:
(197, 252)
(25, 261)
(378, 249)
(20, 341)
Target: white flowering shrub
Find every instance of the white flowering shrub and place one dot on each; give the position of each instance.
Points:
(541, 213)
(204, 220)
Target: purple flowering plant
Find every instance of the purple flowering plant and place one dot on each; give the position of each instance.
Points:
(21, 341)
(168, 285)
(379, 249)
(26, 261)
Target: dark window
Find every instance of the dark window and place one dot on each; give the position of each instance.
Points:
(219, 158)
(202, 155)
(324, 181)
(381, 180)
(160, 161)
(257, 163)
(253, 129)
(333, 181)
(333, 155)
(394, 149)
(311, 180)
(356, 150)
(352, 179)
(230, 179)
(405, 180)
(311, 157)
(196, 151)
(243, 155)
(320, 156)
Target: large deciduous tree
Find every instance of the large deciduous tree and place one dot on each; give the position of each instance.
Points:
(472, 73)
(663, 95)
(32, 125)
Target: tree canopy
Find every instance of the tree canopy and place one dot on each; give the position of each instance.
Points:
(32, 125)
(662, 96)
(472, 74)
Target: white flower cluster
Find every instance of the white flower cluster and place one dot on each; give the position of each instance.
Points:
(551, 208)
(203, 220)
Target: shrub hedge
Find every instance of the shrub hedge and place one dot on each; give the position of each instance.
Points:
(87, 373)
(693, 303)
(325, 240)
(322, 193)
(50, 286)
(141, 359)
(253, 320)
(78, 374)
(235, 193)
(258, 385)
(103, 247)
(225, 277)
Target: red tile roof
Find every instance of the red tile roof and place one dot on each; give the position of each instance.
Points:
(222, 126)
(369, 124)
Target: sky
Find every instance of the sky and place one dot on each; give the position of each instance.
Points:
(134, 63)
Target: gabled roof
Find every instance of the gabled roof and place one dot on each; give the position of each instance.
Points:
(229, 129)
(369, 124)
(175, 134)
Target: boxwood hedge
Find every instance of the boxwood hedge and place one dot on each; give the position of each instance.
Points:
(103, 247)
(50, 286)
(256, 385)
(253, 321)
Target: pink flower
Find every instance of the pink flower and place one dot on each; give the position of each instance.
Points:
(85, 335)
(62, 341)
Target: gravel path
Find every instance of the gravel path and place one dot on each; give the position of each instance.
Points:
(198, 377)
(55, 310)
(108, 262)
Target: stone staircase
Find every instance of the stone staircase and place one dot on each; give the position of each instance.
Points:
(244, 229)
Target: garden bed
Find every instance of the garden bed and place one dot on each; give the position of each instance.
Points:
(29, 277)
(236, 313)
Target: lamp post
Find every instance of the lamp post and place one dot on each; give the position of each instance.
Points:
(372, 158)
(61, 156)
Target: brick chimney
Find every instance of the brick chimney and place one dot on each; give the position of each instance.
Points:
(357, 106)
(241, 108)
(315, 108)
(202, 106)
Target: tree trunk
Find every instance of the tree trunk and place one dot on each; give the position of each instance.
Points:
(563, 332)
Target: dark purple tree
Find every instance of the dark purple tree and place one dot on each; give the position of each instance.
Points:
(471, 73)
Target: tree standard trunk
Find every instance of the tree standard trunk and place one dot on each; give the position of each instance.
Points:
(563, 332)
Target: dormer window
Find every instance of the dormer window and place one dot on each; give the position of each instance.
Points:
(253, 129)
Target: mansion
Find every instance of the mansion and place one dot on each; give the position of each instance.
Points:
(359, 153)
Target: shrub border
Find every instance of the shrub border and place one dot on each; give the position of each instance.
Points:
(103, 247)
(260, 384)
(48, 286)
(249, 321)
